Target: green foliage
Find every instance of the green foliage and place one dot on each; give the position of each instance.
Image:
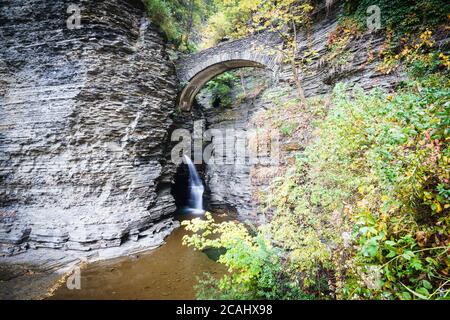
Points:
(288, 128)
(160, 13)
(396, 150)
(217, 28)
(254, 265)
(220, 89)
(225, 22)
(179, 20)
(367, 204)
(419, 56)
(403, 16)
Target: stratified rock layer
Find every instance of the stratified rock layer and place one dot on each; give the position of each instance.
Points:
(84, 115)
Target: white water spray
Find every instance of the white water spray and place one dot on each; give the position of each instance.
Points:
(195, 197)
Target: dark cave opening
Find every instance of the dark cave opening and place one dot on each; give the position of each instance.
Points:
(180, 186)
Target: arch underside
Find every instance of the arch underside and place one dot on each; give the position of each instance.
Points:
(201, 78)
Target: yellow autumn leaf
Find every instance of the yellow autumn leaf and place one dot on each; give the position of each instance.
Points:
(438, 206)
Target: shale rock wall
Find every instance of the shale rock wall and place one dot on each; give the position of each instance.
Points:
(228, 180)
(84, 115)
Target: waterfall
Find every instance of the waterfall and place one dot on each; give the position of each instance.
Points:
(195, 197)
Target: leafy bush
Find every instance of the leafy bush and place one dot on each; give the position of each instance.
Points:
(160, 14)
(403, 16)
(419, 56)
(254, 265)
(180, 20)
(395, 149)
(288, 128)
(220, 89)
(367, 204)
(225, 21)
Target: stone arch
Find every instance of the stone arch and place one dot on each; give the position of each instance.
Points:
(195, 70)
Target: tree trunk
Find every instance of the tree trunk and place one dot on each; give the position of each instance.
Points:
(298, 84)
(190, 23)
(301, 93)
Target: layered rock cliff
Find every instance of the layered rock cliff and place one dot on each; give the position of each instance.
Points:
(84, 114)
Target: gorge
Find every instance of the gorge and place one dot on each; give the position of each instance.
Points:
(87, 117)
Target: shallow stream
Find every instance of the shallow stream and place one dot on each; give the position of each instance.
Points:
(168, 272)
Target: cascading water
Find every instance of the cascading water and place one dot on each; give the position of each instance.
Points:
(195, 196)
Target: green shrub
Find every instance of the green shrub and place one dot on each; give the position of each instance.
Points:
(403, 16)
(288, 128)
(220, 89)
(160, 14)
(180, 20)
(367, 204)
(396, 148)
(254, 265)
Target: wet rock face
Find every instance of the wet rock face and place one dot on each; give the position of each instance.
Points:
(84, 115)
(228, 181)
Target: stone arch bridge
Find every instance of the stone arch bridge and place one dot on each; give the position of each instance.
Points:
(195, 70)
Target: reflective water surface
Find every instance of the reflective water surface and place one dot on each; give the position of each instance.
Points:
(168, 272)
